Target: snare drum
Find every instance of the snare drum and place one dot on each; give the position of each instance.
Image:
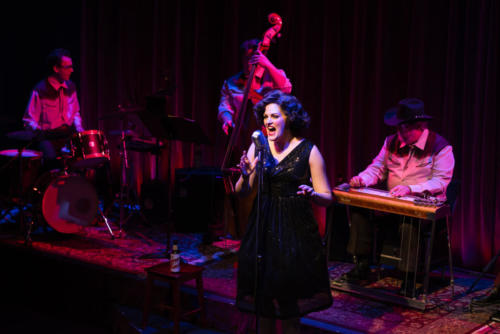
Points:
(89, 149)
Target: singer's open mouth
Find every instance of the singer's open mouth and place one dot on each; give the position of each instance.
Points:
(271, 130)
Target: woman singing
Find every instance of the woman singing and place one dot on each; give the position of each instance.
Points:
(292, 275)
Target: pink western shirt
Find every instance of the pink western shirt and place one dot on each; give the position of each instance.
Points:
(47, 113)
(430, 173)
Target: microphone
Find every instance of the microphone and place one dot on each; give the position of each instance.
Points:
(261, 145)
(259, 140)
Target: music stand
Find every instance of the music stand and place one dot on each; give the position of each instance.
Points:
(169, 128)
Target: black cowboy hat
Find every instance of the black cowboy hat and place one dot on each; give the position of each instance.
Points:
(408, 110)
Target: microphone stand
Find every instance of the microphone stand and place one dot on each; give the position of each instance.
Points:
(258, 257)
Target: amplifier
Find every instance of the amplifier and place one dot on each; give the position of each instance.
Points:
(154, 201)
(198, 200)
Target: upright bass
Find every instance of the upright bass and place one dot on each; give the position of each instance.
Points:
(255, 71)
(239, 208)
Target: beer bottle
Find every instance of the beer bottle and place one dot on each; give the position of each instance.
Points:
(175, 258)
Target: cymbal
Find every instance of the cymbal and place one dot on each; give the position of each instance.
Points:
(23, 135)
(24, 153)
(122, 112)
(119, 133)
(130, 109)
(119, 114)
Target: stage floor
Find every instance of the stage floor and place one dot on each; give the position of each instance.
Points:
(102, 280)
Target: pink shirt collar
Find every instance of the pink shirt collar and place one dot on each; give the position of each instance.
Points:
(420, 142)
(56, 84)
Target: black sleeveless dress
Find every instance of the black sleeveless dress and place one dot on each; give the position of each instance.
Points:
(293, 275)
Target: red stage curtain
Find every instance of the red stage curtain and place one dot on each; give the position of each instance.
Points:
(348, 60)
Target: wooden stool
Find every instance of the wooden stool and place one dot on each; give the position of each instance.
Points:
(162, 272)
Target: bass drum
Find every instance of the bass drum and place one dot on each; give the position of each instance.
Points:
(68, 202)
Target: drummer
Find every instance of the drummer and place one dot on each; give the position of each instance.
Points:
(53, 111)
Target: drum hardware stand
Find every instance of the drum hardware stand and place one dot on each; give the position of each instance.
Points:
(106, 222)
(25, 229)
(125, 188)
(124, 195)
(105, 219)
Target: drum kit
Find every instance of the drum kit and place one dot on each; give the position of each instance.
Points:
(64, 198)
(61, 198)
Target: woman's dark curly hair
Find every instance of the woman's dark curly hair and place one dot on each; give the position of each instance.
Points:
(297, 117)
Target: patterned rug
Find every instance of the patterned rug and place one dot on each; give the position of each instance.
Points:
(130, 251)
(444, 314)
(94, 245)
(362, 315)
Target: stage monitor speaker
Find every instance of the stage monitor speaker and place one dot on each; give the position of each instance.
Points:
(198, 200)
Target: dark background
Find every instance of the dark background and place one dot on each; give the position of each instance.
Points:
(348, 62)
